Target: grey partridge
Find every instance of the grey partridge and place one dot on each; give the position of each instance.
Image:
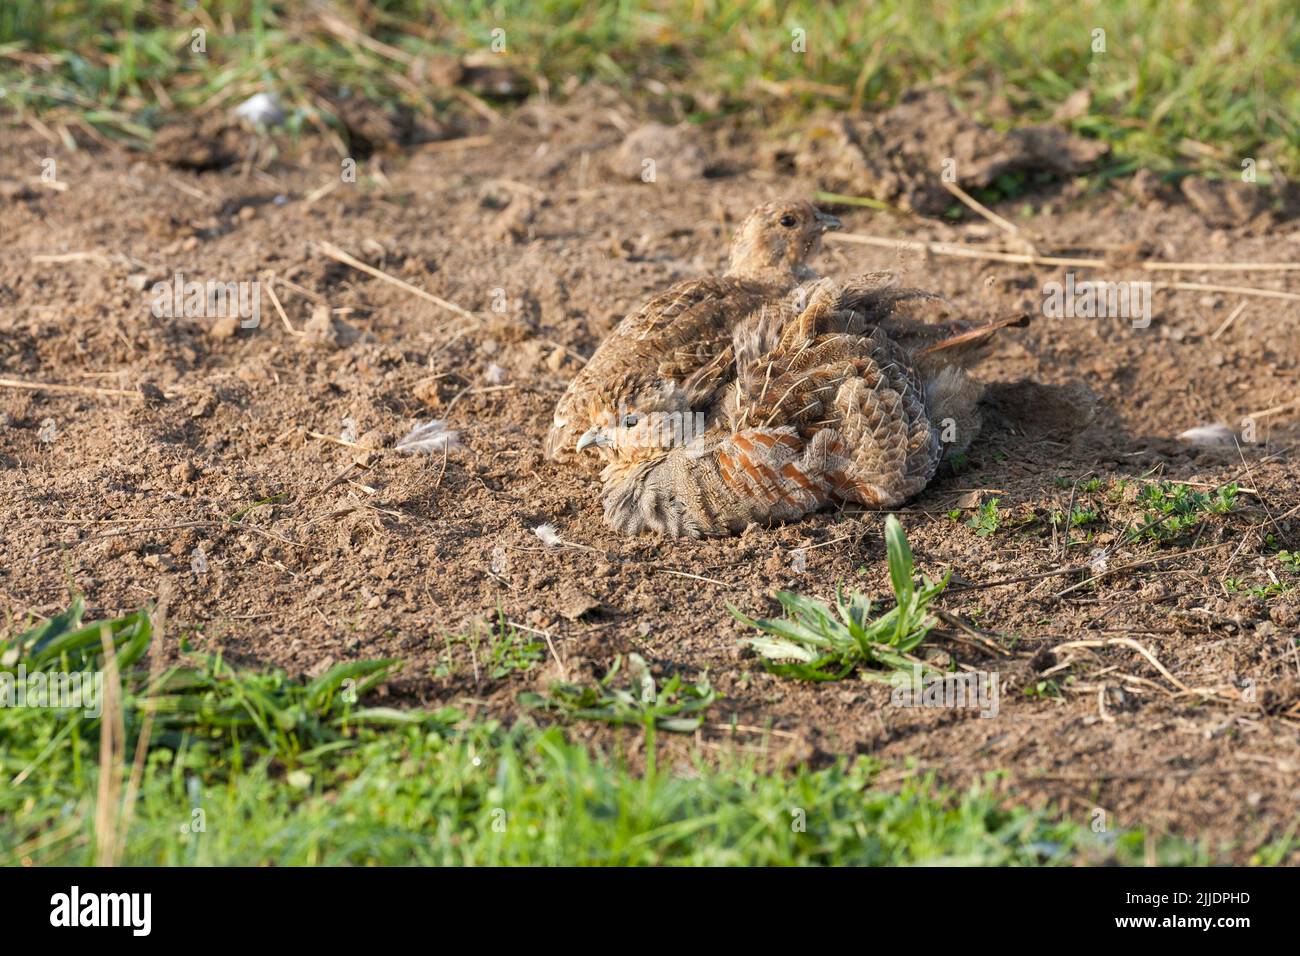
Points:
(815, 415)
(689, 326)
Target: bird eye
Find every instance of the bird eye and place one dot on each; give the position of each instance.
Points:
(629, 421)
(788, 221)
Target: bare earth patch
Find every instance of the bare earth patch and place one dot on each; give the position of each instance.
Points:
(344, 548)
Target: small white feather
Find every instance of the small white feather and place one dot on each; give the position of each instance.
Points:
(1208, 435)
(262, 109)
(548, 535)
(428, 438)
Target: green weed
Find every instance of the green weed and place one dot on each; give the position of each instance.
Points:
(813, 642)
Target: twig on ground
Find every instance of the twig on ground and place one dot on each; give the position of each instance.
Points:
(66, 389)
(564, 671)
(275, 301)
(334, 252)
(1241, 307)
(970, 201)
(694, 577)
(961, 251)
(1183, 689)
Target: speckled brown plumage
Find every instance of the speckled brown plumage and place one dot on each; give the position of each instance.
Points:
(688, 327)
(823, 406)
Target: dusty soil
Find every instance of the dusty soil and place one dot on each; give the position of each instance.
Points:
(397, 555)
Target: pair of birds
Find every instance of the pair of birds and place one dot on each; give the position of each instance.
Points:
(765, 394)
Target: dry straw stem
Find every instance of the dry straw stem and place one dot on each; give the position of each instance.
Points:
(463, 142)
(275, 301)
(321, 436)
(564, 671)
(1275, 410)
(159, 624)
(322, 192)
(1079, 568)
(96, 257)
(694, 577)
(1235, 314)
(961, 251)
(120, 532)
(969, 200)
(192, 191)
(1183, 689)
(1234, 289)
(334, 252)
(974, 637)
(348, 32)
(1135, 564)
(112, 742)
(66, 389)
(477, 104)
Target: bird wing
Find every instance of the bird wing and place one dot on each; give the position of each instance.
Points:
(758, 475)
(673, 336)
(880, 414)
(861, 388)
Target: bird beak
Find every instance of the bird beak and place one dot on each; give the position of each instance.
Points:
(592, 436)
(828, 222)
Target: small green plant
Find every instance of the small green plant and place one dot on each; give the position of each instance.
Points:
(510, 649)
(1173, 510)
(674, 705)
(812, 642)
(1079, 517)
(987, 520)
(1272, 589)
(239, 515)
(64, 640)
(447, 665)
(1043, 688)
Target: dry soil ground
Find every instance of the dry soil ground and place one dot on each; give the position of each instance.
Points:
(403, 554)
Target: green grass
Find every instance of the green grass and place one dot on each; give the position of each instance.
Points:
(1043, 688)
(1180, 84)
(511, 649)
(675, 705)
(1264, 592)
(498, 650)
(812, 642)
(255, 768)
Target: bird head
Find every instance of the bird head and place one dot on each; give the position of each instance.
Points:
(637, 421)
(776, 240)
